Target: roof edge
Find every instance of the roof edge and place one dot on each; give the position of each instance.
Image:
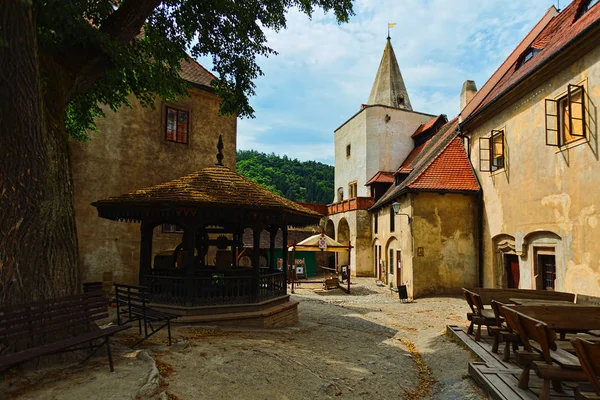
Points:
(379, 105)
(543, 64)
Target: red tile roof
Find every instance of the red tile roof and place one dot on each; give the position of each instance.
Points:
(381, 177)
(440, 164)
(195, 73)
(554, 38)
(450, 170)
(427, 125)
(499, 73)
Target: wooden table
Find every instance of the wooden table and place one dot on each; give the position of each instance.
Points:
(542, 302)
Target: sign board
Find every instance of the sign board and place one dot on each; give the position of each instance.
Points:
(403, 293)
(322, 242)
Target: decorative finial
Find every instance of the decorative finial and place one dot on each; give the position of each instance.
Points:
(220, 153)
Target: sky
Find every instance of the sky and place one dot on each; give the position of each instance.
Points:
(325, 71)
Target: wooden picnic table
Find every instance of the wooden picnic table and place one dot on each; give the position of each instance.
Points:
(542, 302)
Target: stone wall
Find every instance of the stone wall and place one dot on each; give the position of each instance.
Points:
(130, 152)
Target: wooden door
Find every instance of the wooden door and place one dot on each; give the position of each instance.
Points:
(513, 273)
(398, 268)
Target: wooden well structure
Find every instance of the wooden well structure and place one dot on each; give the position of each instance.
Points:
(212, 206)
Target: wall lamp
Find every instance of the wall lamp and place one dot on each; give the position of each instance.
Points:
(396, 207)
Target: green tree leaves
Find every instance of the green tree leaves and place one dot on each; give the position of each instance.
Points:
(309, 181)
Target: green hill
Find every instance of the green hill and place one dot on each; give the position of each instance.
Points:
(308, 181)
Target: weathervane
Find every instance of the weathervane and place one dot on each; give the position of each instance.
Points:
(390, 25)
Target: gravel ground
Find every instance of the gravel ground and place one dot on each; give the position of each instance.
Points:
(366, 345)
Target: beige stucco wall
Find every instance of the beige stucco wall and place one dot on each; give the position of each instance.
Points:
(130, 152)
(445, 226)
(360, 238)
(546, 196)
(399, 240)
(376, 145)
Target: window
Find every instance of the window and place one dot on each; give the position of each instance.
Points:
(587, 6)
(392, 219)
(352, 188)
(565, 117)
(171, 228)
(177, 126)
(529, 55)
(491, 152)
(375, 222)
(348, 150)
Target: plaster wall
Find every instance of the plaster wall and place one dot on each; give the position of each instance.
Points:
(130, 152)
(360, 237)
(545, 197)
(376, 145)
(444, 229)
(389, 143)
(399, 240)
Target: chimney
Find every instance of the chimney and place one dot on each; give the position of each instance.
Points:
(466, 94)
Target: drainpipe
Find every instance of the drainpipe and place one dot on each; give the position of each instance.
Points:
(480, 236)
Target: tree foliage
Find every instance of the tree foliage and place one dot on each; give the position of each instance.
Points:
(62, 62)
(112, 59)
(308, 181)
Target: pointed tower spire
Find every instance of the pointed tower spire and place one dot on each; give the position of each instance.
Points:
(388, 88)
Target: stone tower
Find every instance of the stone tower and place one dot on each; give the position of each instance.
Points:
(388, 88)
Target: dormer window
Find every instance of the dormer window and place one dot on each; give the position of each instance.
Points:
(400, 100)
(529, 55)
(587, 6)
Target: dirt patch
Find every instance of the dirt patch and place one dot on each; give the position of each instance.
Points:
(366, 345)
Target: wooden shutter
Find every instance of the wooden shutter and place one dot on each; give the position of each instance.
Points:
(552, 123)
(497, 152)
(485, 148)
(576, 109)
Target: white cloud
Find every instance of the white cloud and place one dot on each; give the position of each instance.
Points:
(324, 71)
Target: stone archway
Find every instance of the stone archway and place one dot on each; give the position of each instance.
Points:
(343, 236)
(330, 229)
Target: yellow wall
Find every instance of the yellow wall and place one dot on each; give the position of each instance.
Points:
(546, 197)
(130, 152)
(445, 226)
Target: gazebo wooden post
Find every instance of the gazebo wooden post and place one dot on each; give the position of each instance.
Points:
(147, 231)
(273, 231)
(256, 230)
(189, 240)
(284, 255)
(349, 271)
(234, 242)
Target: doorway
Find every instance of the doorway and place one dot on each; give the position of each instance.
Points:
(399, 269)
(545, 271)
(513, 273)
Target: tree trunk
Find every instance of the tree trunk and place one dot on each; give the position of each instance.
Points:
(38, 240)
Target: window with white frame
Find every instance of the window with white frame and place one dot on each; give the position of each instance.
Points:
(492, 152)
(565, 117)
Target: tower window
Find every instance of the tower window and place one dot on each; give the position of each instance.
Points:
(348, 150)
(400, 100)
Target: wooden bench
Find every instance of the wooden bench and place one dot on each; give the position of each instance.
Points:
(537, 327)
(28, 331)
(478, 298)
(133, 304)
(589, 358)
(504, 333)
(479, 315)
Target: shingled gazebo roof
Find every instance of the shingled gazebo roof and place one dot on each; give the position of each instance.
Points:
(215, 193)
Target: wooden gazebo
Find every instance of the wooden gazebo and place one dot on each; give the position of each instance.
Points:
(212, 206)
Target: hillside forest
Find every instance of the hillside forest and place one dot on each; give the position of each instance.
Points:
(306, 181)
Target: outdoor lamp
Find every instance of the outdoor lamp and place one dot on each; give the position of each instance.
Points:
(396, 207)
